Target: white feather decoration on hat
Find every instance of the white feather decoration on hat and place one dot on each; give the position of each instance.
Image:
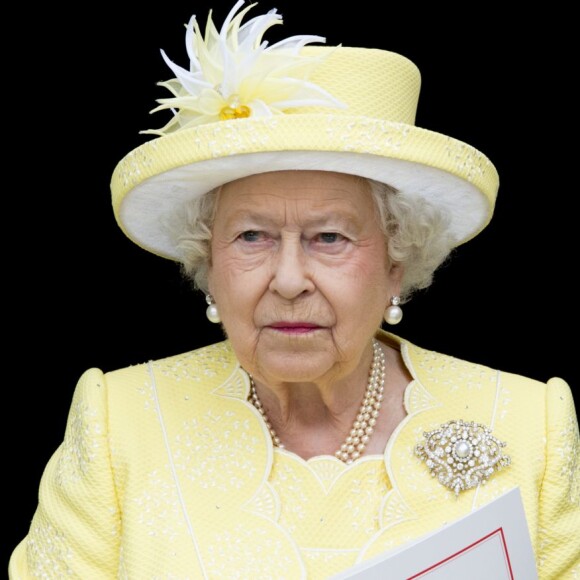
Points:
(233, 74)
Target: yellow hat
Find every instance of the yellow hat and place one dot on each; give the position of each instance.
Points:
(244, 107)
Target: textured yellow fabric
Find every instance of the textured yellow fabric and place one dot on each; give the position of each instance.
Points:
(166, 471)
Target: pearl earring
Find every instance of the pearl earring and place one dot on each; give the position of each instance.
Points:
(394, 313)
(212, 311)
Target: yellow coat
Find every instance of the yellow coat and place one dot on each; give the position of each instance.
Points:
(166, 471)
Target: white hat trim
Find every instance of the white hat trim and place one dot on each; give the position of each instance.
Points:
(143, 210)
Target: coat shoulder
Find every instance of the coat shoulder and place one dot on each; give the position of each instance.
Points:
(211, 361)
(446, 367)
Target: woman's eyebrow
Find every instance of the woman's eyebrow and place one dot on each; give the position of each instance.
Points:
(312, 219)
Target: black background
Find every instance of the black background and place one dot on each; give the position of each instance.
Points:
(79, 294)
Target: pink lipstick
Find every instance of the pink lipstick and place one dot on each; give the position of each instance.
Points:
(294, 327)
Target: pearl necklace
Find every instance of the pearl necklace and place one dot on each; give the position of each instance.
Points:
(366, 418)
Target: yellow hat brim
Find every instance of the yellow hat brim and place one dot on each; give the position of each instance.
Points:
(157, 177)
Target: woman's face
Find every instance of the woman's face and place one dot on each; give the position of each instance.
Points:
(300, 273)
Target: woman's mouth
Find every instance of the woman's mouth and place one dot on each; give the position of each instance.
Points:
(287, 327)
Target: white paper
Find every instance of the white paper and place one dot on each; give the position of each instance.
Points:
(491, 542)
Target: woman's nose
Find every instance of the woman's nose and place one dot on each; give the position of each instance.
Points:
(291, 273)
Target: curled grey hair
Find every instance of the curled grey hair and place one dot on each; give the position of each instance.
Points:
(415, 230)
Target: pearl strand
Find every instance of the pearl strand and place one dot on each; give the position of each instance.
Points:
(366, 418)
(256, 402)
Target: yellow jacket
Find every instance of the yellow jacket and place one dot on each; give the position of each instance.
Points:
(166, 471)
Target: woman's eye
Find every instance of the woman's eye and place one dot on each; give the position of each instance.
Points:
(251, 236)
(330, 237)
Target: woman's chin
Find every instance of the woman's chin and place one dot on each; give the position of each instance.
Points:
(295, 365)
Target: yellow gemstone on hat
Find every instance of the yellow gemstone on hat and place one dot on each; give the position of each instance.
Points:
(234, 110)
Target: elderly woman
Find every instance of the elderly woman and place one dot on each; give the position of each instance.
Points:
(295, 189)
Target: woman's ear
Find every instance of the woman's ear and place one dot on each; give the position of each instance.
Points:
(396, 274)
(210, 286)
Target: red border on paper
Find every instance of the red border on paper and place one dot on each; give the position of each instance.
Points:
(504, 544)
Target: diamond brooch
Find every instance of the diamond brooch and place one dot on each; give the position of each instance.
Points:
(462, 454)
